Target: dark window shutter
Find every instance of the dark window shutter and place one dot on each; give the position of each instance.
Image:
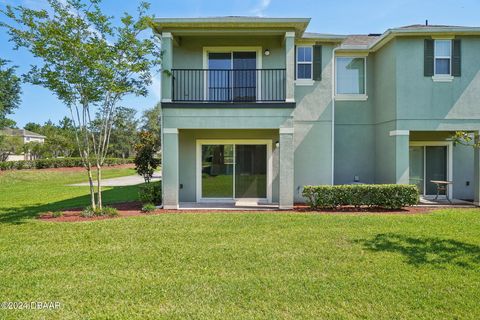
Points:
(428, 58)
(295, 58)
(317, 62)
(456, 59)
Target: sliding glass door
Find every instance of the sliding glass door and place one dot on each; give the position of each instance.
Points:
(217, 171)
(232, 76)
(250, 171)
(233, 171)
(428, 163)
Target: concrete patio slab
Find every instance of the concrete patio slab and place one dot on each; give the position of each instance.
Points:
(238, 205)
(122, 181)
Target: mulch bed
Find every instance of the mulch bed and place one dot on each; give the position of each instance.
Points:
(130, 209)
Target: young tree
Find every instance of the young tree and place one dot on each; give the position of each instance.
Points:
(10, 91)
(89, 64)
(146, 150)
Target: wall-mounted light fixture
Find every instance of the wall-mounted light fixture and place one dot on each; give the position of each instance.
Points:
(267, 52)
(277, 144)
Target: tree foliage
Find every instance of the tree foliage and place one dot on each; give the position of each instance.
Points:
(151, 122)
(89, 63)
(10, 92)
(124, 133)
(9, 145)
(466, 138)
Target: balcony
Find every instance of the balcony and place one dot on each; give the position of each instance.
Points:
(229, 85)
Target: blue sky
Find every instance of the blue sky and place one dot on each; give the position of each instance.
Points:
(328, 16)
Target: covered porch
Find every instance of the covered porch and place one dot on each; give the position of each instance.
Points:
(444, 172)
(231, 169)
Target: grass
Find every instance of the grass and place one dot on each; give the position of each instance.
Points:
(235, 266)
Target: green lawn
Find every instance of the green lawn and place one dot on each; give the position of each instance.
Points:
(232, 266)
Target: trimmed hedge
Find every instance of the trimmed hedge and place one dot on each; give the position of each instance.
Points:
(387, 196)
(55, 163)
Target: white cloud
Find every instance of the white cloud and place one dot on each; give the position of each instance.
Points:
(261, 6)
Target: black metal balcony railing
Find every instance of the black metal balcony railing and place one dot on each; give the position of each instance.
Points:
(226, 85)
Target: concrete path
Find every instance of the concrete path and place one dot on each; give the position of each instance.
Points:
(122, 181)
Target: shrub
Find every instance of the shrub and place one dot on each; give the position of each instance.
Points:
(57, 214)
(150, 192)
(88, 212)
(149, 207)
(109, 211)
(56, 163)
(387, 196)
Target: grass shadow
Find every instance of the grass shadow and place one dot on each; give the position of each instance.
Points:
(426, 251)
(17, 215)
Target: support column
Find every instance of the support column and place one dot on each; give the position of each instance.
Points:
(167, 65)
(402, 156)
(286, 168)
(290, 66)
(476, 171)
(170, 182)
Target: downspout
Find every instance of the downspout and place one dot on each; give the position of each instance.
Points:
(333, 113)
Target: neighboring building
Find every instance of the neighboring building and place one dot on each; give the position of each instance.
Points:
(27, 137)
(258, 108)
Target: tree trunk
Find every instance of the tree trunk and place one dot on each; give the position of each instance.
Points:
(99, 186)
(92, 189)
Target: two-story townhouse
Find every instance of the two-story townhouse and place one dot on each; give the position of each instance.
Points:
(253, 109)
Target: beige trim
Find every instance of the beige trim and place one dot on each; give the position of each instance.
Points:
(170, 130)
(442, 78)
(351, 97)
(286, 130)
(353, 54)
(399, 133)
(289, 34)
(167, 35)
(304, 82)
(448, 36)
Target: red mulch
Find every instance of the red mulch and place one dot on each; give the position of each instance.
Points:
(74, 169)
(130, 209)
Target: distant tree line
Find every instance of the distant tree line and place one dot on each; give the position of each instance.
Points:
(60, 138)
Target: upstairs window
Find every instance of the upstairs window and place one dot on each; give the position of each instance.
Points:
(443, 57)
(350, 76)
(304, 63)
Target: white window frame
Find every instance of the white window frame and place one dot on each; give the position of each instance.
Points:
(304, 62)
(201, 142)
(351, 96)
(435, 57)
(231, 50)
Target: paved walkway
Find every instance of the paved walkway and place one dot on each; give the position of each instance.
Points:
(122, 181)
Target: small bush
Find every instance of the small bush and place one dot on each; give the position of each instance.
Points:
(387, 196)
(57, 214)
(88, 212)
(109, 211)
(55, 163)
(149, 207)
(150, 192)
